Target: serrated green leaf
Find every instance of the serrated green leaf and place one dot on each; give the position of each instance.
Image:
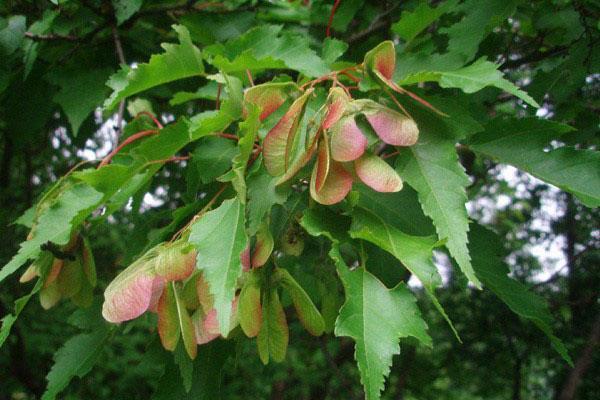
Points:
(56, 223)
(376, 318)
(76, 358)
(124, 9)
(263, 194)
(220, 238)
(206, 376)
(523, 143)
(414, 252)
(9, 320)
(467, 33)
(433, 169)
(488, 253)
(212, 158)
(412, 23)
(470, 79)
(267, 47)
(179, 61)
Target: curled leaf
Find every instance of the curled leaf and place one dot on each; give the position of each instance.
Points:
(279, 140)
(347, 141)
(377, 174)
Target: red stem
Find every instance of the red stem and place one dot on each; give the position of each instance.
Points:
(125, 142)
(250, 77)
(229, 136)
(146, 113)
(333, 10)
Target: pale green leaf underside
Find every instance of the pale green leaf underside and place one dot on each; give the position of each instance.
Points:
(525, 144)
(55, 224)
(414, 252)
(219, 238)
(179, 61)
(433, 169)
(487, 252)
(76, 358)
(376, 318)
(470, 79)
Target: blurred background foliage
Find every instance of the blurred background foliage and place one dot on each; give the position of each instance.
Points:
(56, 56)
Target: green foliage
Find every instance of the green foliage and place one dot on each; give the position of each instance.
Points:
(524, 144)
(219, 238)
(179, 61)
(275, 144)
(368, 304)
(432, 168)
(76, 358)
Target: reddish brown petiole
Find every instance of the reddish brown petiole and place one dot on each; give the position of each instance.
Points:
(125, 142)
(151, 116)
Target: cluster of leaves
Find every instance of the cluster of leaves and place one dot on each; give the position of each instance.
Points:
(301, 150)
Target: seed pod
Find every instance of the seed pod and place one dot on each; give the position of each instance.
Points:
(336, 184)
(278, 142)
(377, 174)
(263, 246)
(176, 261)
(273, 338)
(308, 314)
(250, 311)
(268, 96)
(292, 243)
(347, 141)
(49, 296)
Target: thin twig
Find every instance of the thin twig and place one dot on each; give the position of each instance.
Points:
(249, 77)
(333, 10)
(51, 36)
(229, 136)
(121, 57)
(170, 159)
